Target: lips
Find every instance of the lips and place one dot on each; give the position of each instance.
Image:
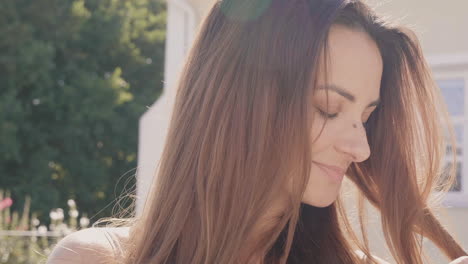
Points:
(335, 173)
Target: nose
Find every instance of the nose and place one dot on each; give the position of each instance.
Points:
(354, 143)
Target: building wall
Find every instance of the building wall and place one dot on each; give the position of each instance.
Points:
(153, 125)
(440, 25)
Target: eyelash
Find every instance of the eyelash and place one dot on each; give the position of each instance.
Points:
(327, 115)
(333, 116)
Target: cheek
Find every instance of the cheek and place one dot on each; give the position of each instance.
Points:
(322, 138)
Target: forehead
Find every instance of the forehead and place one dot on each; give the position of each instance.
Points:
(354, 62)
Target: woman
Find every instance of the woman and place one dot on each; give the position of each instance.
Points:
(278, 100)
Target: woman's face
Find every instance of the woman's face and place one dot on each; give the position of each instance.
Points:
(354, 74)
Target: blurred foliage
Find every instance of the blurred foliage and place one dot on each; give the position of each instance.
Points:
(75, 76)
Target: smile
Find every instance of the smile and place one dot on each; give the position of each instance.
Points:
(335, 173)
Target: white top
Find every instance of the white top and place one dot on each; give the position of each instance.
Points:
(90, 245)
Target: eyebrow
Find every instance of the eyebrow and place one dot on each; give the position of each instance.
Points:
(344, 93)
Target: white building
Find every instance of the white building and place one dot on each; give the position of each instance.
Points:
(442, 29)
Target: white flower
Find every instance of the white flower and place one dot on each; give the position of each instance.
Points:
(53, 215)
(42, 230)
(73, 213)
(36, 101)
(84, 222)
(60, 215)
(35, 222)
(71, 203)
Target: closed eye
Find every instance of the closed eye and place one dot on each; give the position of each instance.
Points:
(327, 115)
(333, 116)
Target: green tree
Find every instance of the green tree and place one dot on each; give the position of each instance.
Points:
(75, 76)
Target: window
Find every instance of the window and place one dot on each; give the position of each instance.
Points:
(453, 87)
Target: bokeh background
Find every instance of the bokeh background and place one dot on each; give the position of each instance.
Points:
(75, 78)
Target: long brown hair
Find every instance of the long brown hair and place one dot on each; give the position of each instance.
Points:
(240, 132)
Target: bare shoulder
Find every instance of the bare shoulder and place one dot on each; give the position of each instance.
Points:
(364, 258)
(91, 245)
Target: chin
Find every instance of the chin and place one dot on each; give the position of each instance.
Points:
(321, 203)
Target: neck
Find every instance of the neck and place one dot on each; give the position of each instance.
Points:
(270, 221)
